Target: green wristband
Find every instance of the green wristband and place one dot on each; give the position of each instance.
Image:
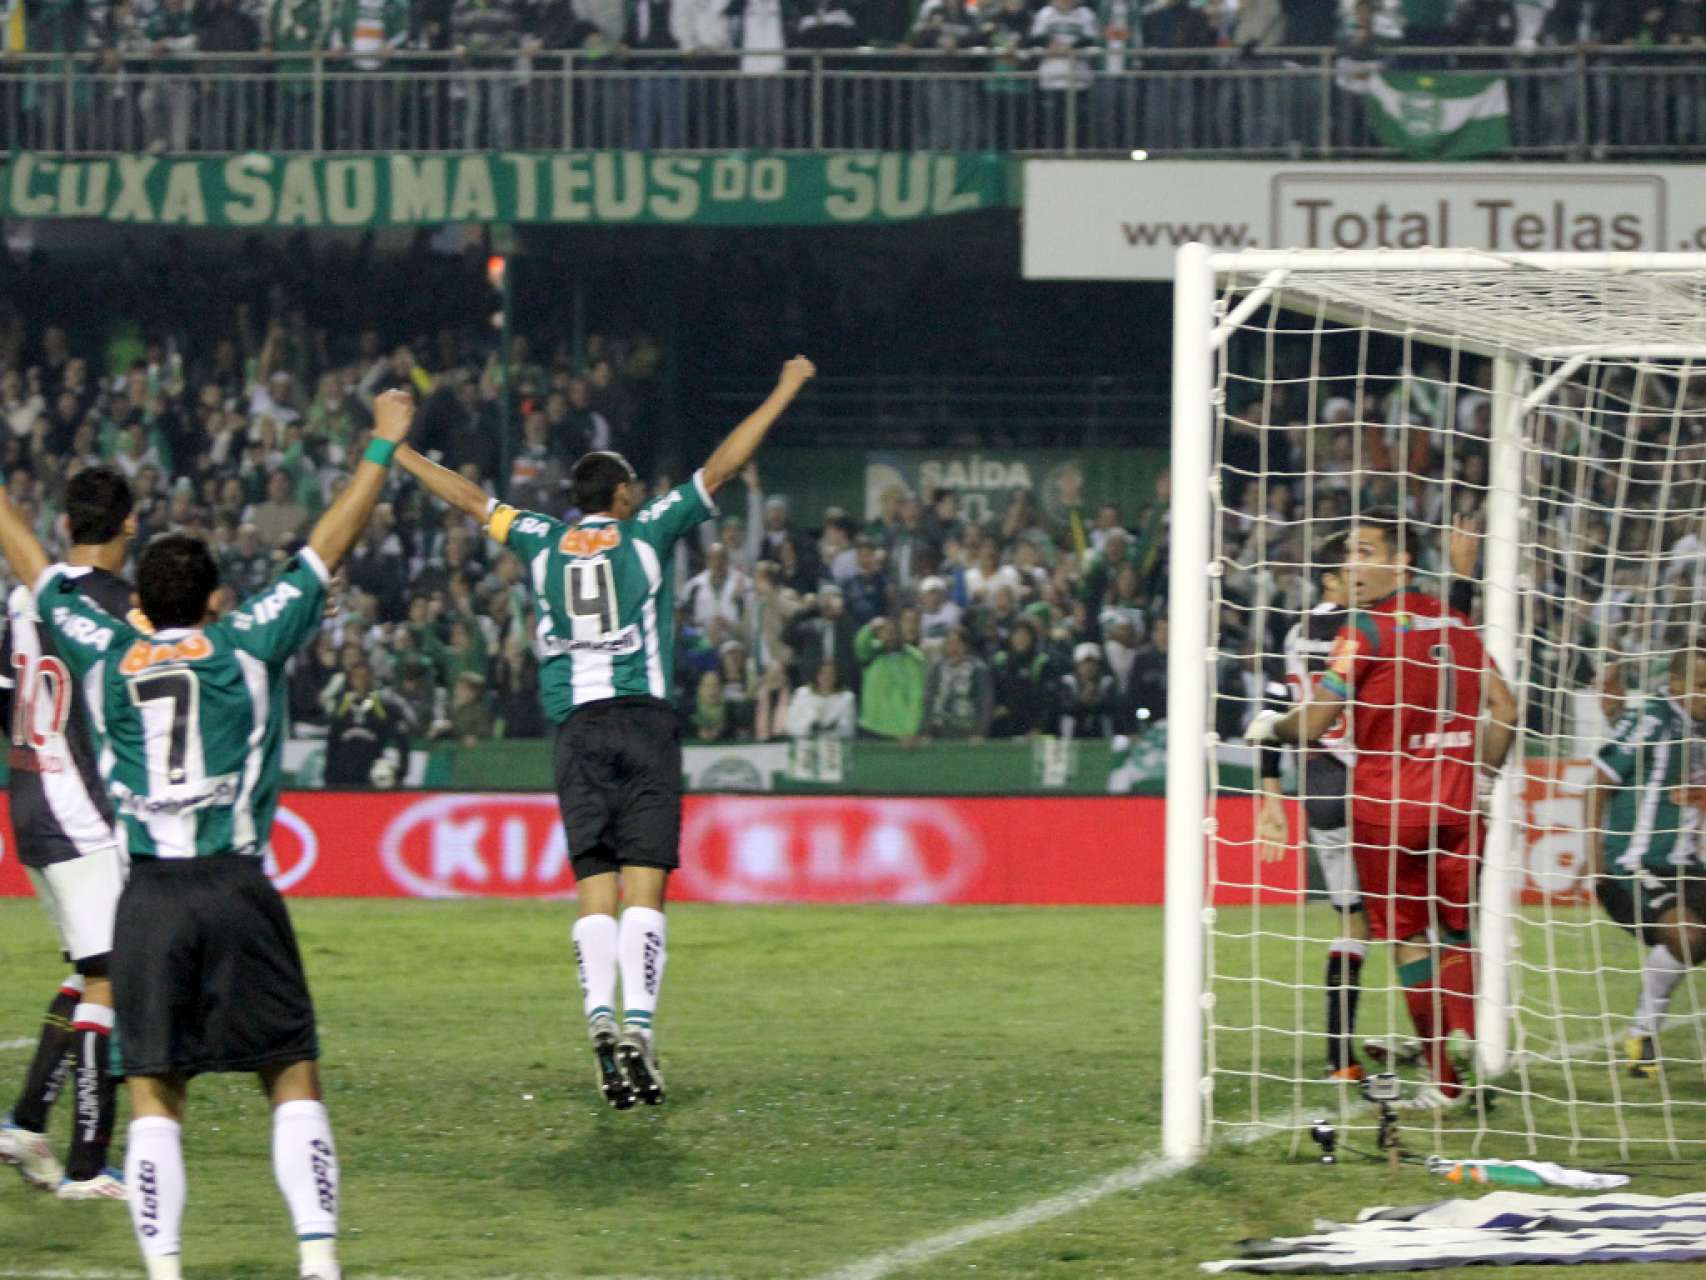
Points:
(380, 451)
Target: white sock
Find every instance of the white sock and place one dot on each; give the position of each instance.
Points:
(595, 957)
(306, 1165)
(1660, 972)
(644, 948)
(154, 1177)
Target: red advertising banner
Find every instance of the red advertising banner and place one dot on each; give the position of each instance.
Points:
(772, 848)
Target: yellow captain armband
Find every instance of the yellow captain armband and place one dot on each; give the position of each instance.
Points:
(498, 522)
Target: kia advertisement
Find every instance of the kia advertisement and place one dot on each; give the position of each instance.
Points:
(804, 849)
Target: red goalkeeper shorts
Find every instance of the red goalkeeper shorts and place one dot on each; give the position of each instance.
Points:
(1417, 879)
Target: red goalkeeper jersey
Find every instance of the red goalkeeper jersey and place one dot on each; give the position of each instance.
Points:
(1411, 668)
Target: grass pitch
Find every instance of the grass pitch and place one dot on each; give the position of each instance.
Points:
(843, 1082)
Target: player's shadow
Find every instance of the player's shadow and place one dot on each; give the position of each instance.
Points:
(618, 1151)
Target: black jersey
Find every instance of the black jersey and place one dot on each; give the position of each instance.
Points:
(60, 809)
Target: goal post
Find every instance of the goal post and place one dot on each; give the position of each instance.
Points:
(1505, 362)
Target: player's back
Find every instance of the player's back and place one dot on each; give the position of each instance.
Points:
(605, 597)
(60, 809)
(1417, 708)
(190, 721)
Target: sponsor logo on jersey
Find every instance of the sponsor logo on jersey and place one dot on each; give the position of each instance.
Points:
(626, 640)
(272, 605)
(828, 850)
(591, 540)
(144, 653)
(209, 793)
(1452, 741)
(85, 631)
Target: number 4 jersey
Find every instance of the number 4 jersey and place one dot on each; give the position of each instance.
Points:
(60, 809)
(606, 604)
(189, 722)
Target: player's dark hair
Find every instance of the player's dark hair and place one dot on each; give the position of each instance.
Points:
(97, 503)
(596, 478)
(1330, 554)
(175, 575)
(1388, 521)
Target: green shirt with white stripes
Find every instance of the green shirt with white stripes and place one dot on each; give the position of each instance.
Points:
(1654, 754)
(605, 598)
(190, 722)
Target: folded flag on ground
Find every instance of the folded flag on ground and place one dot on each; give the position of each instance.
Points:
(1506, 1228)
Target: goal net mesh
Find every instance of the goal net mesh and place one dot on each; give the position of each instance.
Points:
(1340, 392)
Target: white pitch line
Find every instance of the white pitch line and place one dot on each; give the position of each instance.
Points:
(7, 1045)
(931, 1247)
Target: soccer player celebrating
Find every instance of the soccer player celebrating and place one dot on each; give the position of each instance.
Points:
(606, 649)
(1418, 679)
(188, 716)
(62, 821)
(1644, 836)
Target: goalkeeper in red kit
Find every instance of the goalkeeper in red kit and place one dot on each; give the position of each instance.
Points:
(1430, 711)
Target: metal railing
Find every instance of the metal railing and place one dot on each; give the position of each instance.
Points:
(1577, 103)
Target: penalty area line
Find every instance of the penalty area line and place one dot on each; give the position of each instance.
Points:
(1035, 1214)
(1131, 1178)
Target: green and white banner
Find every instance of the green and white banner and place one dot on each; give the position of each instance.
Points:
(604, 188)
(1436, 115)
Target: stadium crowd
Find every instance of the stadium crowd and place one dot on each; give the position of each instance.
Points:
(220, 75)
(918, 623)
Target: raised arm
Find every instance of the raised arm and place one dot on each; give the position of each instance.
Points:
(337, 530)
(446, 485)
(19, 544)
(736, 451)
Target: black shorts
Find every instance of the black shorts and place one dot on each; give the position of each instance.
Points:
(1636, 899)
(618, 771)
(206, 972)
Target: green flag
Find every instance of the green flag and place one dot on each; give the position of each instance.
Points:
(1436, 115)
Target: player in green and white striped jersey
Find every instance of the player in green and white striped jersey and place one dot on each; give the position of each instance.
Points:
(605, 643)
(187, 715)
(1644, 826)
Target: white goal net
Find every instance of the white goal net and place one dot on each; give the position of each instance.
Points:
(1537, 426)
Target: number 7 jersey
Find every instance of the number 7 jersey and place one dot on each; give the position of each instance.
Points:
(189, 722)
(604, 596)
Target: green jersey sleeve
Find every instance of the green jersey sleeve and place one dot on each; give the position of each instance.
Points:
(526, 533)
(276, 621)
(1619, 757)
(83, 632)
(664, 519)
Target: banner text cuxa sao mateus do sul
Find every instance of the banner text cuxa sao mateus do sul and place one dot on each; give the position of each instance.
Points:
(605, 188)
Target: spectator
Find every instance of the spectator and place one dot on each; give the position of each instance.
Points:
(1024, 691)
(226, 26)
(822, 631)
(938, 614)
(280, 519)
(709, 717)
(867, 588)
(659, 103)
(760, 28)
(471, 717)
(368, 32)
(822, 709)
(1148, 688)
(959, 695)
(891, 696)
(716, 592)
(515, 679)
(1064, 30)
(739, 689)
(169, 99)
(1087, 696)
(366, 743)
(312, 673)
